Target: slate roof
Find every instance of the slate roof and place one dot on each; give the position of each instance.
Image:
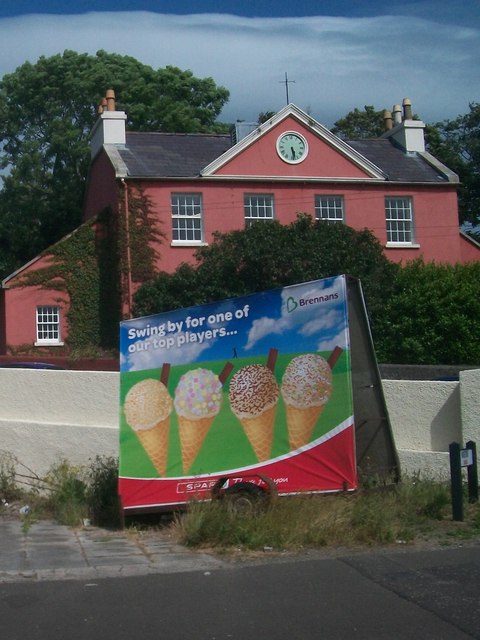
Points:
(177, 155)
(395, 163)
(167, 155)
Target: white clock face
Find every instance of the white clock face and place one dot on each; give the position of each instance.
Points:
(292, 147)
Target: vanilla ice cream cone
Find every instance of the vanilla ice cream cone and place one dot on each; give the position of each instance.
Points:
(259, 431)
(155, 443)
(192, 435)
(147, 409)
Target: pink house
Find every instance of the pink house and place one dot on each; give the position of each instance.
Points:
(196, 184)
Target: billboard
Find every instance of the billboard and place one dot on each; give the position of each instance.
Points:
(256, 384)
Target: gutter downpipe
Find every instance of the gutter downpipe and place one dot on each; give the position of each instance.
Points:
(129, 257)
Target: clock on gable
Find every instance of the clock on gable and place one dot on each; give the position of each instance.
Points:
(292, 147)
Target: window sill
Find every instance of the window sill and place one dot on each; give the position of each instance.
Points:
(402, 245)
(49, 343)
(188, 243)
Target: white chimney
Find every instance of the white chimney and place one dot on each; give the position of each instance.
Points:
(110, 126)
(409, 133)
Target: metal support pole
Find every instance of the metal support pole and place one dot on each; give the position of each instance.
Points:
(456, 481)
(472, 473)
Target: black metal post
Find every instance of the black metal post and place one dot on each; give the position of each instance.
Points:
(456, 481)
(472, 473)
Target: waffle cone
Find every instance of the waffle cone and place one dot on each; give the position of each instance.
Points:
(301, 423)
(259, 431)
(155, 443)
(192, 434)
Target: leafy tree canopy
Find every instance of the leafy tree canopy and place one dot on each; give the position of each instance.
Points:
(432, 316)
(360, 124)
(47, 111)
(421, 313)
(269, 255)
(456, 143)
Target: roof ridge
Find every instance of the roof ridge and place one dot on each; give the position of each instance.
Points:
(180, 134)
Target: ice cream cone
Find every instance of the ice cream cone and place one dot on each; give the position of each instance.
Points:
(301, 423)
(253, 397)
(306, 389)
(147, 409)
(155, 443)
(259, 431)
(192, 434)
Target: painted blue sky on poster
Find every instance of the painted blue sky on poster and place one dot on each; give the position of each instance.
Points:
(310, 317)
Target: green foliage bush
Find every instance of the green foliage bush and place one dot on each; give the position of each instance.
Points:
(420, 313)
(67, 493)
(75, 493)
(102, 492)
(269, 255)
(431, 316)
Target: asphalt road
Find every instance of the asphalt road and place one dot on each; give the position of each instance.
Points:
(390, 595)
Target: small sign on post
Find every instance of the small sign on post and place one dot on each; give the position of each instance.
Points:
(466, 457)
(460, 458)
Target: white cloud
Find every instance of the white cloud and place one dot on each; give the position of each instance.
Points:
(339, 340)
(336, 64)
(148, 354)
(308, 317)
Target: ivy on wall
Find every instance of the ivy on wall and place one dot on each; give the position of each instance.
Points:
(91, 267)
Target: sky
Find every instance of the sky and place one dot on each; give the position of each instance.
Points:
(335, 54)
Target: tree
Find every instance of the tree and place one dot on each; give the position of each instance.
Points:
(457, 144)
(432, 316)
(263, 116)
(360, 124)
(47, 111)
(269, 255)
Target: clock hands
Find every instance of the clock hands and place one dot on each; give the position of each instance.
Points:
(292, 147)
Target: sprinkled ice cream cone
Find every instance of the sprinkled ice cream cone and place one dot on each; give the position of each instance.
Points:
(192, 435)
(198, 398)
(147, 409)
(306, 388)
(253, 399)
(301, 423)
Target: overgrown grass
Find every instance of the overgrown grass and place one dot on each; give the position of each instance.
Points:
(412, 510)
(403, 513)
(70, 494)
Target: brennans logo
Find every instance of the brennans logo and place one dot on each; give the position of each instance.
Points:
(293, 304)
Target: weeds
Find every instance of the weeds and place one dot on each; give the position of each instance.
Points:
(8, 485)
(102, 493)
(68, 493)
(376, 514)
(399, 514)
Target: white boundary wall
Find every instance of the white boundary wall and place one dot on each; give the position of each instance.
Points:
(46, 416)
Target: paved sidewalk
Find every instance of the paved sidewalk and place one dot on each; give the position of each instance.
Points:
(49, 551)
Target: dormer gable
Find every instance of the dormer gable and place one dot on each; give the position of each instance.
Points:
(266, 152)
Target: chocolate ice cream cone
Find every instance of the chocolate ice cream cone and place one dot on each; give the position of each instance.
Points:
(259, 431)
